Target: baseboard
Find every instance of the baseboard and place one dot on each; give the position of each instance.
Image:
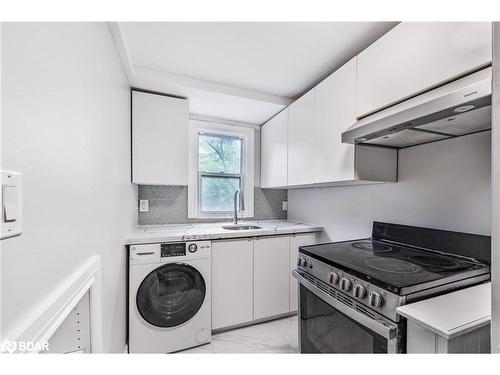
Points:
(253, 322)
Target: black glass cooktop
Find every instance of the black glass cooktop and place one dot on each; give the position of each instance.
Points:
(394, 267)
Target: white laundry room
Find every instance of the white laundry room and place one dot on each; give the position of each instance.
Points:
(254, 188)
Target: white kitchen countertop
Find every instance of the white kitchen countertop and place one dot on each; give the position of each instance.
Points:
(454, 313)
(212, 231)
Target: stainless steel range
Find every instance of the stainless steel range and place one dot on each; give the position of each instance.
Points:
(349, 291)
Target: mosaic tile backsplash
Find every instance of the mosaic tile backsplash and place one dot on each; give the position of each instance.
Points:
(169, 205)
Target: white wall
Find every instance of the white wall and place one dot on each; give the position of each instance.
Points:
(66, 126)
(444, 185)
(1, 328)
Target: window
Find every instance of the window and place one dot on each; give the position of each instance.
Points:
(220, 171)
(221, 162)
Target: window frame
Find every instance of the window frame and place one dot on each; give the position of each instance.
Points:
(246, 176)
(201, 174)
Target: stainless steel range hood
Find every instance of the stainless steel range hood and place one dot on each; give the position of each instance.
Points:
(455, 109)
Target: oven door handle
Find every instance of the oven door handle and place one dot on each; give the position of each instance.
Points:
(375, 325)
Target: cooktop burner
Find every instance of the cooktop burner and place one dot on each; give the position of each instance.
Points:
(392, 265)
(371, 246)
(435, 261)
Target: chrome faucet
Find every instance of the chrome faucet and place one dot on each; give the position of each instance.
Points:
(238, 193)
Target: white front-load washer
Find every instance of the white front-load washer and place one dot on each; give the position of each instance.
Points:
(169, 296)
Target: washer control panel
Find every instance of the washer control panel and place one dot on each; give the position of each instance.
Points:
(173, 250)
(169, 252)
(189, 250)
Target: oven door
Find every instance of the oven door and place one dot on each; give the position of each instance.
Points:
(327, 325)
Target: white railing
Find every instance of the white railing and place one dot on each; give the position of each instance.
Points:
(49, 315)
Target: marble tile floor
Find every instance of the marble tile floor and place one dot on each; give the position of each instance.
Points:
(277, 336)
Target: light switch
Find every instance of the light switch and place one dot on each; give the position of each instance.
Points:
(12, 204)
(10, 209)
(143, 205)
(285, 205)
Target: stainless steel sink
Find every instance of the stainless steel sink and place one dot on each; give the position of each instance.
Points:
(240, 227)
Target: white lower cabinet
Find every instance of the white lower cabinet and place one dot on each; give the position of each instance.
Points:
(271, 276)
(421, 340)
(232, 282)
(297, 241)
(251, 278)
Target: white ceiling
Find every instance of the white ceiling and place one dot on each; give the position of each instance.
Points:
(241, 71)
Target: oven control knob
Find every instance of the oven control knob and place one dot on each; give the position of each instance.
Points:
(345, 284)
(301, 262)
(359, 291)
(333, 278)
(375, 299)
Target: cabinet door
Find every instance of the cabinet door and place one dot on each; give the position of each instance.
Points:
(335, 112)
(415, 56)
(301, 140)
(232, 282)
(274, 146)
(271, 276)
(159, 139)
(295, 242)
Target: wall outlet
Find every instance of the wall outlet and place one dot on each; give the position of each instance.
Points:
(143, 205)
(285, 205)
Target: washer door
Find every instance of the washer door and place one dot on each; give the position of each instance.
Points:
(171, 295)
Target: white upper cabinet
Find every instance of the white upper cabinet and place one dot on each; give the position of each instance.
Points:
(416, 56)
(159, 139)
(301, 140)
(316, 154)
(274, 151)
(335, 112)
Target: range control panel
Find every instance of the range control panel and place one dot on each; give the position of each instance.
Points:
(376, 298)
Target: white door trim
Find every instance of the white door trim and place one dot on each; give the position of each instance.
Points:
(49, 315)
(495, 196)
